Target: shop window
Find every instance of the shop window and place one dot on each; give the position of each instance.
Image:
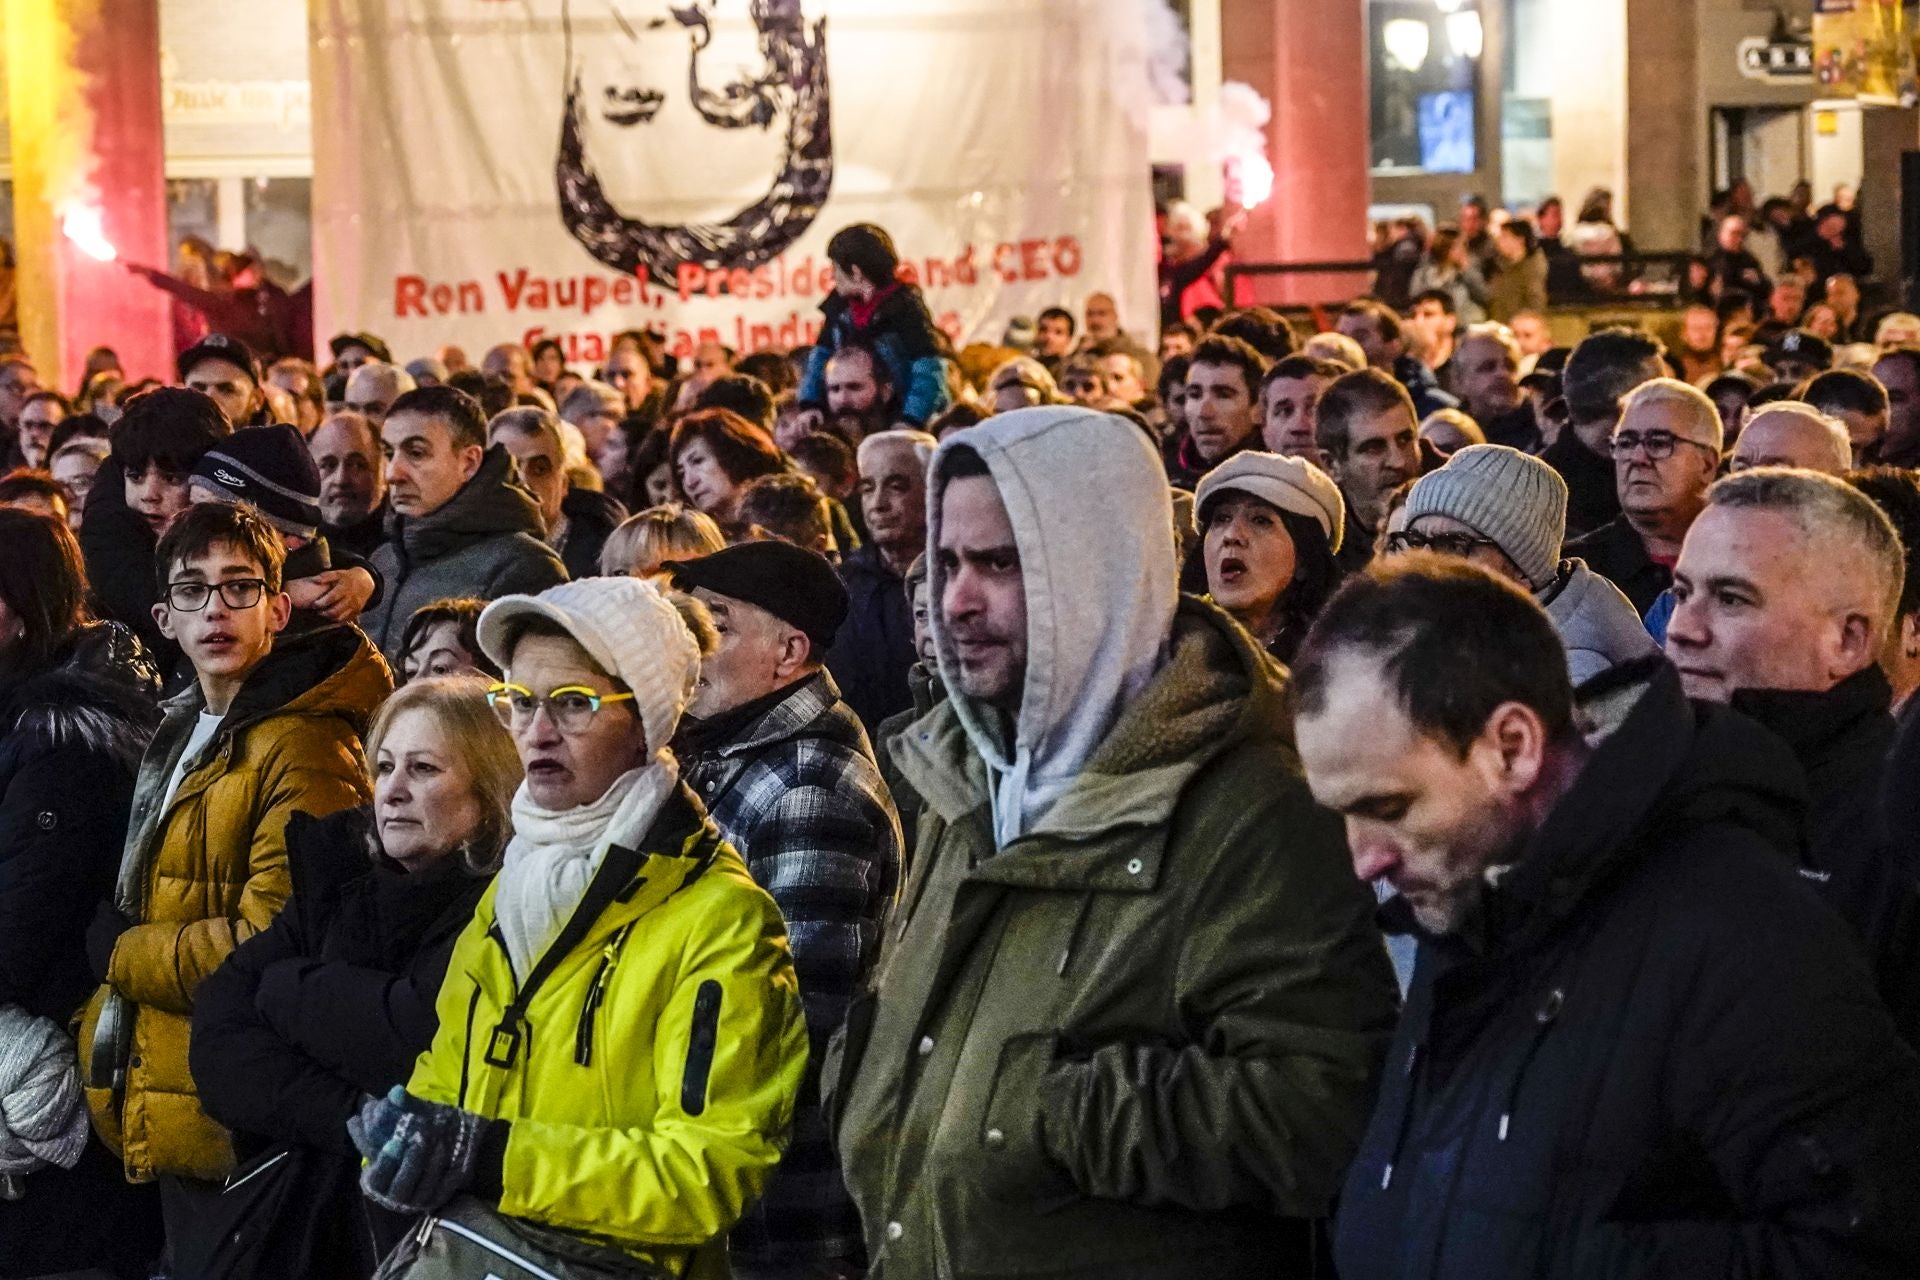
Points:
(1424, 67)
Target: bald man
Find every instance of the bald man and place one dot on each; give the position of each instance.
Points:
(1785, 593)
(1789, 433)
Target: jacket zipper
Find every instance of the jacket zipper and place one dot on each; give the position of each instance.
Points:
(466, 1058)
(596, 995)
(1415, 1060)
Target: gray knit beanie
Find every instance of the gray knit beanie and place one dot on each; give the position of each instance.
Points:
(1512, 498)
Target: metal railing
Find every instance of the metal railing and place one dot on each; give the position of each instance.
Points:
(1631, 280)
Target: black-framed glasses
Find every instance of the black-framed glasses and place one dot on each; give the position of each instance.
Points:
(1447, 544)
(235, 593)
(1658, 444)
(572, 707)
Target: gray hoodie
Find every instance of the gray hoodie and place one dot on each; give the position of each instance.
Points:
(1596, 622)
(1093, 520)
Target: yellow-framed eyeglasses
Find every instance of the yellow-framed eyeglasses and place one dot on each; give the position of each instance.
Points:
(572, 707)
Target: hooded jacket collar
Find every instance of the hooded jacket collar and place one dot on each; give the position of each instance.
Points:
(487, 506)
(1216, 690)
(1100, 581)
(1814, 724)
(335, 671)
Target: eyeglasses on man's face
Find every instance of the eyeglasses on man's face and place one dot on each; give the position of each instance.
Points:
(571, 707)
(235, 593)
(1447, 544)
(1659, 445)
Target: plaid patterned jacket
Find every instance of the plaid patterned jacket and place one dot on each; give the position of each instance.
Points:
(798, 793)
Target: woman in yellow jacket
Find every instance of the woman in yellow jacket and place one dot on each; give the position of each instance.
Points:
(620, 1035)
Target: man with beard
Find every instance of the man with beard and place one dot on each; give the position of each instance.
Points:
(1635, 1043)
(1486, 373)
(1129, 1009)
(871, 306)
(858, 393)
(353, 483)
(1371, 441)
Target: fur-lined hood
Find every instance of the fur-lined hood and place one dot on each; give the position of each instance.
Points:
(102, 692)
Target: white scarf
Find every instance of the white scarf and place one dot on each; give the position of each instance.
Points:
(553, 855)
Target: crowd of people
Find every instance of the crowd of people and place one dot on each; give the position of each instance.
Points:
(1410, 800)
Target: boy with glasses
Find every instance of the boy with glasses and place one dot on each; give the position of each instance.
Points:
(269, 727)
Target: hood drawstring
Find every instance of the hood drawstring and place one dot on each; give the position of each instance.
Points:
(1543, 1020)
(1416, 1059)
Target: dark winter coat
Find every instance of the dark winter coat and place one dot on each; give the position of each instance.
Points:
(486, 541)
(1593, 493)
(118, 545)
(590, 517)
(361, 539)
(874, 647)
(1424, 386)
(792, 784)
(71, 737)
(331, 1003)
(903, 333)
(1842, 739)
(1616, 553)
(1137, 1043)
(1656, 1052)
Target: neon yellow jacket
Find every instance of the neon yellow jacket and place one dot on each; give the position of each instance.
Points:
(651, 1082)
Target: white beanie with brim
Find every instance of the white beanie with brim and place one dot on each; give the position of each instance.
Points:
(627, 627)
(1293, 485)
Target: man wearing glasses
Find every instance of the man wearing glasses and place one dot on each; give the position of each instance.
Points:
(1507, 512)
(270, 727)
(1666, 451)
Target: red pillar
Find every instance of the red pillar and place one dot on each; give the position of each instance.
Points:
(1309, 57)
(85, 114)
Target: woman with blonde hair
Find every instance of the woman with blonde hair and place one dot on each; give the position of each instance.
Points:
(335, 1000)
(644, 542)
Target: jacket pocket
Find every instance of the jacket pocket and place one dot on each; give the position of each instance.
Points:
(1015, 1167)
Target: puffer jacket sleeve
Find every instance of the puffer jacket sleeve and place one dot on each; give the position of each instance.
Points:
(250, 1079)
(813, 382)
(927, 392)
(729, 1055)
(310, 771)
(1285, 981)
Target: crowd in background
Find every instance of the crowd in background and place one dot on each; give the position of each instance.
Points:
(1084, 805)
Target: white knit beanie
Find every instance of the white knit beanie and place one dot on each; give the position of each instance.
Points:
(1290, 484)
(626, 626)
(1511, 498)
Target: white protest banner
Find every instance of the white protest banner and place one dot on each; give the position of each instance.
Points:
(500, 170)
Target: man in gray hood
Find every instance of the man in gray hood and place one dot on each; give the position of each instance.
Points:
(1133, 1001)
(1507, 511)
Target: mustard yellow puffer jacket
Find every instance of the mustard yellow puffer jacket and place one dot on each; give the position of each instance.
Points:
(208, 872)
(650, 1083)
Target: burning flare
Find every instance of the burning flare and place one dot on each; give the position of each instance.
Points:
(84, 224)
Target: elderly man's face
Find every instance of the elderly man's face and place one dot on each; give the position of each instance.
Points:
(1787, 438)
(1757, 606)
(353, 477)
(1486, 376)
(1103, 319)
(1673, 484)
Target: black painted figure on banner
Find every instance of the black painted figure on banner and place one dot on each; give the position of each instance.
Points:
(696, 132)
